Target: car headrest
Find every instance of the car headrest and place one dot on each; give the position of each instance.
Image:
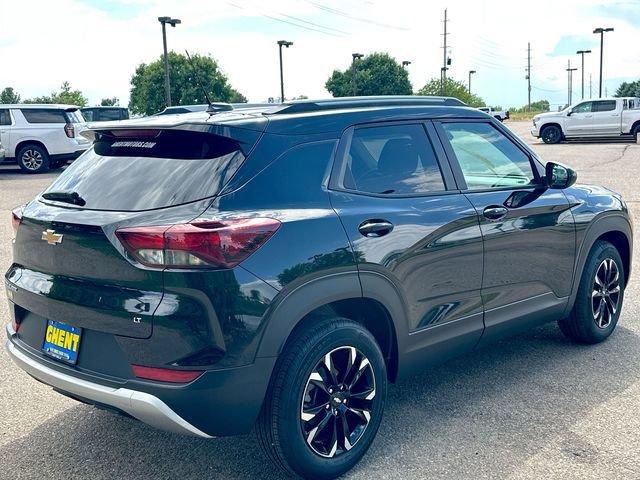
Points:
(399, 157)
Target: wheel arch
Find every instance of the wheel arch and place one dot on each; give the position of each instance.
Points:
(636, 125)
(24, 143)
(614, 228)
(338, 295)
(551, 124)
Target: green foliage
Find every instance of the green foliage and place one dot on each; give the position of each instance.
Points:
(9, 95)
(65, 96)
(375, 74)
(147, 84)
(452, 88)
(628, 89)
(109, 102)
(538, 106)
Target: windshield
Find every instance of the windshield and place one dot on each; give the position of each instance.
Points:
(163, 169)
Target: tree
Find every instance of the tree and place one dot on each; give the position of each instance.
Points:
(375, 74)
(109, 102)
(9, 95)
(538, 106)
(147, 84)
(65, 95)
(70, 97)
(628, 89)
(452, 88)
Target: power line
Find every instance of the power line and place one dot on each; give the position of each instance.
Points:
(353, 17)
(288, 22)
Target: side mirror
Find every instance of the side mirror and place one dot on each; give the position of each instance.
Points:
(559, 176)
(569, 113)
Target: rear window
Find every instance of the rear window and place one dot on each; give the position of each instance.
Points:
(160, 169)
(44, 115)
(604, 106)
(5, 118)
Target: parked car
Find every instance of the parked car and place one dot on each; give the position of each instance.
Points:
(602, 118)
(42, 137)
(104, 114)
(211, 273)
(3, 153)
(501, 115)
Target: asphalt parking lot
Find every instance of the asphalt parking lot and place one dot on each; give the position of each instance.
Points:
(534, 406)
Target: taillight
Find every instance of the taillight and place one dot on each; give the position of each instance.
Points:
(69, 130)
(165, 374)
(16, 219)
(222, 244)
(15, 324)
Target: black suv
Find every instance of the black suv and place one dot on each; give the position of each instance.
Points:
(276, 269)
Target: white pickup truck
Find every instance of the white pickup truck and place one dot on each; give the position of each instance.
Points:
(501, 115)
(601, 118)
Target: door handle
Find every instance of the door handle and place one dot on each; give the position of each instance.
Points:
(375, 228)
(495, 212)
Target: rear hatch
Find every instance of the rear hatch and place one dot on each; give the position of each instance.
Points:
(69, 265)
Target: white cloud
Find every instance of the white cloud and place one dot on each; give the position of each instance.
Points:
(96, 45)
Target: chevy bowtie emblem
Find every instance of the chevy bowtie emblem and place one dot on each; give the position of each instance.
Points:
(51, 237)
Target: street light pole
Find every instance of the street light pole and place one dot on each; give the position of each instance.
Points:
(167, 84)
(601, 31)
(470, 72)
(570, 80)
(282, 43)
(582, 52)
(354, 57)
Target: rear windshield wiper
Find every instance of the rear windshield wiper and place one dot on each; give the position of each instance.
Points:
(67, 197)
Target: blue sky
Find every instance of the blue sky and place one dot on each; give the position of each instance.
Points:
(104, 41)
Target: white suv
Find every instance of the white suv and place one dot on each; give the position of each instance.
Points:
(41, 137)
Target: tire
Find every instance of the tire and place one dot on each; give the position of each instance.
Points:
(636, 132)
(299, 439)
(551, 134)
(587, 323)
(33, 158)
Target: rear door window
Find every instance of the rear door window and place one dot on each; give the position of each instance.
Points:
(158, 169)
(44, 115)
(604, 106)
(392, 160)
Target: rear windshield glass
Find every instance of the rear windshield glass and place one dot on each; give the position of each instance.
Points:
(160, 169)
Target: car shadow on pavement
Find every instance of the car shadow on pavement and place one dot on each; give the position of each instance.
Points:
(482, 415)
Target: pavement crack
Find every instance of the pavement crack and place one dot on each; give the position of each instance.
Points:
(617, 159)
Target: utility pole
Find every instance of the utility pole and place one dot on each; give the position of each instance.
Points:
(570, 86)
(443, 76)
(529, 76)
(589, 85)
(354, 57)
(470, 72)
(601, 31)
(167, 84)
(282, 43)
(582, 52)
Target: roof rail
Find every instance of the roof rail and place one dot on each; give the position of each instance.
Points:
(303, 106)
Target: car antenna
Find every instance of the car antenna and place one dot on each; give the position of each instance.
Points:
(210, 109)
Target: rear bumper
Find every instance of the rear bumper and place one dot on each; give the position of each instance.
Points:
(218, 403)
(143, 406)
